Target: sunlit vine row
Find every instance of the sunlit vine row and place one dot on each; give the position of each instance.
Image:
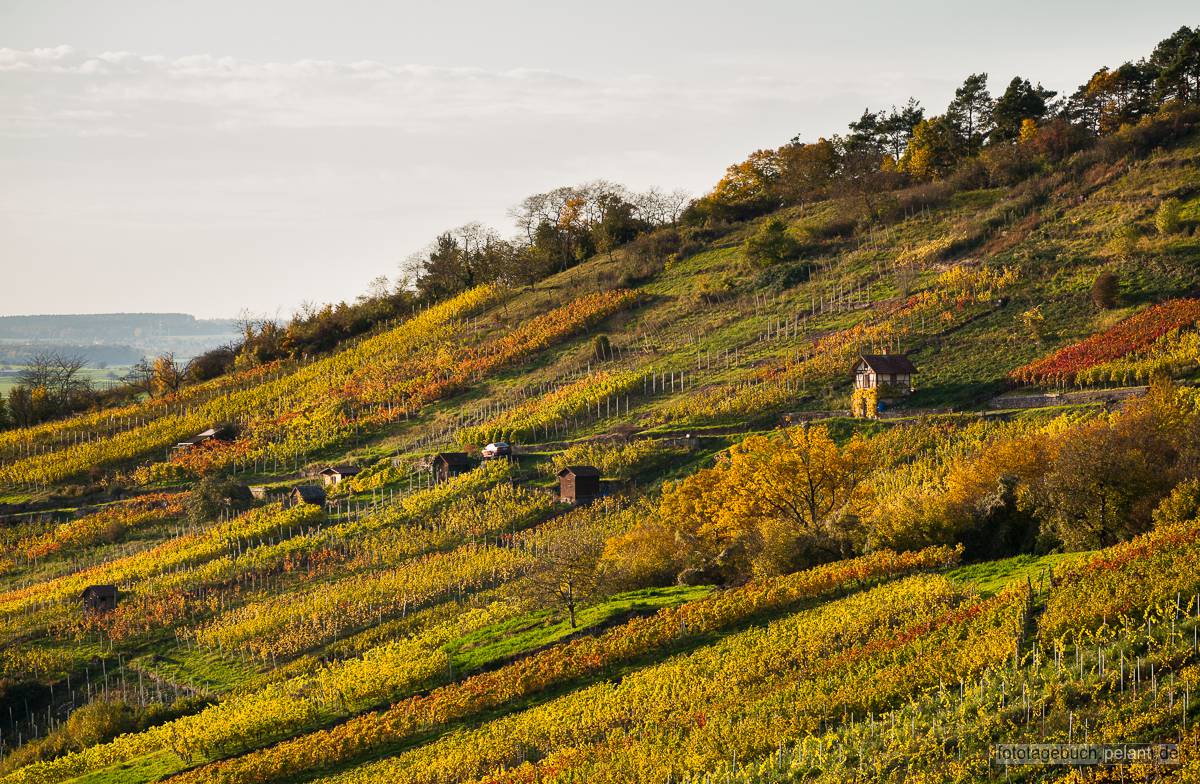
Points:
(535, 415)
(864, 651)
(105, 525)
(1176, 353)
(300, 400)
(189, 549)
(1124, 577)
(278, 710)
(291, 623)
(561, 664)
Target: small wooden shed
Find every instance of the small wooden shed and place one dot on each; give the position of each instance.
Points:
(99, 598)
(449, 464)
(309, 494)
(579, 484)
(334, 474)
(890, 372)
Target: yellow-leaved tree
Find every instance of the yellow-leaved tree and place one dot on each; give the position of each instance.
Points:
(774, 504)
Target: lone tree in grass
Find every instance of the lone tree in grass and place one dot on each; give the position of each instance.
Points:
(1105, 290)
(565, 573)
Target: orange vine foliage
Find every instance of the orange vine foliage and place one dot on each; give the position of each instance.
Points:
(1136, 333)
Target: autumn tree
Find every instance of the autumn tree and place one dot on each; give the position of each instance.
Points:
(1106, 480)
(864, 173)
(214, 495)
(806, 171)
(565, 575)
(59, 375)
(650, 554)
(96, 722)
(211, 363)
(263, 340)
(1112, 98)
(23, 406)
(168, 375)
(933, 149)
(49, 384)
(774, 504)
(983, 499)
(751, 180)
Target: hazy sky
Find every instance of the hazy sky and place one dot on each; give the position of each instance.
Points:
(209, 156)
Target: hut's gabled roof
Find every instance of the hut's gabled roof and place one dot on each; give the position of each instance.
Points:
(888, 363)
(344, 470)
(310, 493)
(580, 470)
(453, 458)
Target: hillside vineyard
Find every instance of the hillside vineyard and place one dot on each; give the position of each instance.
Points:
(881, 455)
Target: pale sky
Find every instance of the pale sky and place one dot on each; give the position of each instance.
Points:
(210, 157)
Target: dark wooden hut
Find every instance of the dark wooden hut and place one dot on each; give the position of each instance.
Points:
(579, 484)
(449, 464)
(99, 598)
(308, 494)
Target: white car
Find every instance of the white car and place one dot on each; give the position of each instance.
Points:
(497, 449)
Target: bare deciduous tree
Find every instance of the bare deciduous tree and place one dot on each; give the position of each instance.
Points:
(565, 574)
(141, 376)
(58, 375)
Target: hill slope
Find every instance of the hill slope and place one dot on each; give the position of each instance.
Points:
(794, 609)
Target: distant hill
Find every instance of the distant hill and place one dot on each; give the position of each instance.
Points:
(114, 338)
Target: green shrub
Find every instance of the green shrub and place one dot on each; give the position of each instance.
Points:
(771, 244)
(602, 348)
(782, 276)
(1168, 217)
(1124, 242)
(837, 227)
(215, 494)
